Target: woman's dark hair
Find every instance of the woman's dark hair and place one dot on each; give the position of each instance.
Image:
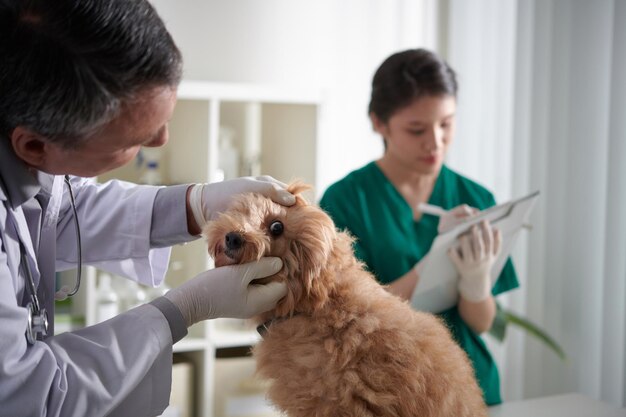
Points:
(67, 66)
(406, 76)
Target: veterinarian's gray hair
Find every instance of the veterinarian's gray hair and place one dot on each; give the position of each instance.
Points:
(67, 66)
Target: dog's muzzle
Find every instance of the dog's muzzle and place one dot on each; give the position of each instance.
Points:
(233, 241)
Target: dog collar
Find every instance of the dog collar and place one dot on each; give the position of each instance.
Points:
(264, 327)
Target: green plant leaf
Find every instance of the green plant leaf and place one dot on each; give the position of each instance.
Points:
(535, 331)
(498, 328)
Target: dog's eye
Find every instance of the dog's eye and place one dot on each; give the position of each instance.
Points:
(276, 228)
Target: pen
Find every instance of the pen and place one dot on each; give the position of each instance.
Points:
(438, 211)
(430, 209)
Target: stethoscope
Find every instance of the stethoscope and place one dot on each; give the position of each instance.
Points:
(37, 326)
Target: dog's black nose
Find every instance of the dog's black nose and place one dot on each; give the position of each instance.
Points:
(233, 240)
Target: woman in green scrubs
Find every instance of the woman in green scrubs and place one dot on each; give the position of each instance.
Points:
(412, 107)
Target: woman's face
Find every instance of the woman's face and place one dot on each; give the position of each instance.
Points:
(418, 135)
(144, 122)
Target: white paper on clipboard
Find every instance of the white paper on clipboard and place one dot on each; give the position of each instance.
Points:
(437, 287)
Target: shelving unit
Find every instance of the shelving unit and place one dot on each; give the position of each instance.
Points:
(275, 131)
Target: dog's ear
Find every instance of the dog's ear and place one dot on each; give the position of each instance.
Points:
(314, 278)
(297, 187)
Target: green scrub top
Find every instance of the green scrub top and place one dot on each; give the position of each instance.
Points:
(390, 242)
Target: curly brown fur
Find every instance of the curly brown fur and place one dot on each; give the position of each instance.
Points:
(340, 344)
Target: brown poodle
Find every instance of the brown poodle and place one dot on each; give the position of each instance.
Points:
(339, 344)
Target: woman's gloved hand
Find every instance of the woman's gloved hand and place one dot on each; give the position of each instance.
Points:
(227, 292)
(474, 258)
(454, 217)
(208, 200)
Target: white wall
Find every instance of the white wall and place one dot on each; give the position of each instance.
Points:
(481, 47)
(546, 106)
(334, 46)
(480, 39)
(579, 288)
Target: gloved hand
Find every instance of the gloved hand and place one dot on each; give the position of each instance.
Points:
(474, 258)
(207, 200)
(227, 292)
(454, 217)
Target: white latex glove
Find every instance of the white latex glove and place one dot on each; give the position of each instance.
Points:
(208, 200)
(474, 258)
(454, 217)
(227, 292)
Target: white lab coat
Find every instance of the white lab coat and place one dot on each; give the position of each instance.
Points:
(121, 367)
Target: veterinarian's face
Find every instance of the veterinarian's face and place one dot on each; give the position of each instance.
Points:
(143, 122)
(418, 135)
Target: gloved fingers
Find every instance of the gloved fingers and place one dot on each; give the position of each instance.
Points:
(282, 196)
(487, 237)
(463, 211)
(467, 252)
(454, 217)
(274, 189)
(478, 245)
(455, 257)
(225, 291)
(497, 241)
(265, 296)
(207, 200)
(264, 267)
(467, 248)
(269, 178)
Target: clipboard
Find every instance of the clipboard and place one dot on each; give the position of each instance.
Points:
(437, 288)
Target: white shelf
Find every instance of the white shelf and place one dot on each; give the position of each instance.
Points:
(190, 344)
(282, 124)
(233, 338)
(206, 90)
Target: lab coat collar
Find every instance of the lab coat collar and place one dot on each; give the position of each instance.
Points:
(18, 183)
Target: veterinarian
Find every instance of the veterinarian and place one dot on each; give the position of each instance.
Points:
(84, 84)
(412, 107)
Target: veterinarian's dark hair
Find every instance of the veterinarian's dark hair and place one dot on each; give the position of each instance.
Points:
(406, 76)
(66, 66)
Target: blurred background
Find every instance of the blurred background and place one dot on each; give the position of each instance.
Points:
(542, 106)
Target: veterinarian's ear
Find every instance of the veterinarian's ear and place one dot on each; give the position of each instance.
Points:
(29, 146)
